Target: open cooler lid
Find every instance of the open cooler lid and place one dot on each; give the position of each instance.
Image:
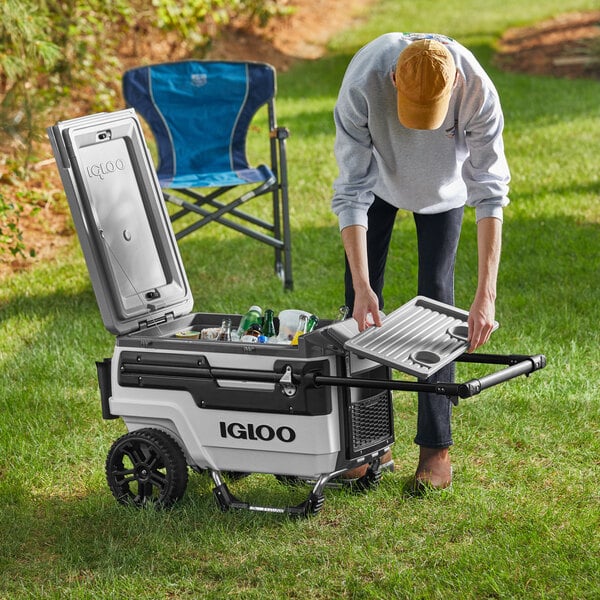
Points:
(419, 338)
(121, 220)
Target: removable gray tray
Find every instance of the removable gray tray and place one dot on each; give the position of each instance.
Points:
(419, 338)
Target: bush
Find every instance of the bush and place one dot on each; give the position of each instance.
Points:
(11, 237)
(50, 49)
(27, 53)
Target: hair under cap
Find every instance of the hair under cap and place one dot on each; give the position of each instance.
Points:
(425, 73)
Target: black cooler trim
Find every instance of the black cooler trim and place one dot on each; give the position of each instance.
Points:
(103, 369)
(193, 374)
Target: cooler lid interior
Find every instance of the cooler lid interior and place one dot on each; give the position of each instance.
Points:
(122, 223)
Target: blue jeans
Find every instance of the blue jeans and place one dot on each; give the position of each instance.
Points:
(437, 243)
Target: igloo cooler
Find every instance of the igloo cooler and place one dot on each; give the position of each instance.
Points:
(306, 413)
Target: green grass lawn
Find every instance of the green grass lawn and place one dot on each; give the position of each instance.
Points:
(523, 517)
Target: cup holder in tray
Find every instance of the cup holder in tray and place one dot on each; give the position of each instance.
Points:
(426, 358)
(460, 332)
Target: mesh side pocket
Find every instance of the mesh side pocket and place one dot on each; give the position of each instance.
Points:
(370, 421)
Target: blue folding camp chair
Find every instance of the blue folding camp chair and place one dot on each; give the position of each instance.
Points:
(200, 113)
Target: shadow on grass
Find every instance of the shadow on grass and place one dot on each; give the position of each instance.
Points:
(66, 541)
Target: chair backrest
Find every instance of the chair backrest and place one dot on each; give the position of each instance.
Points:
(199, 111)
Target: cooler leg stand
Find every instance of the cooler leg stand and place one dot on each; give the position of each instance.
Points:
(311, 506)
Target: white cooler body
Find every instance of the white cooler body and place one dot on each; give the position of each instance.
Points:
(197, 392)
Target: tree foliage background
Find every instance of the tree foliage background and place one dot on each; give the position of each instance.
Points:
(50, 48)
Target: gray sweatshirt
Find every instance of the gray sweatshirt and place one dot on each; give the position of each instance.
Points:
(425, 172)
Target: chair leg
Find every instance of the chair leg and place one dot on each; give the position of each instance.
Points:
(277, 234)
(284, 256)
(288, 282)
(282, 263)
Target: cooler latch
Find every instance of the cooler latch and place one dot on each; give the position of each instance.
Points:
(158, 321)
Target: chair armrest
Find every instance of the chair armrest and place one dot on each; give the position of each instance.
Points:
(280, 133)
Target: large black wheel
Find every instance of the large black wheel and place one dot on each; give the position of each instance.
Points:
(146, 467)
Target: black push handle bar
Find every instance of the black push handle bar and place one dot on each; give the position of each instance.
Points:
(517, 365)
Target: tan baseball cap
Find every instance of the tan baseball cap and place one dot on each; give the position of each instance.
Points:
(425, 73)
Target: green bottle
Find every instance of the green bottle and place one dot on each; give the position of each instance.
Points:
(312, 323)
(268, 328)
(252, 317)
